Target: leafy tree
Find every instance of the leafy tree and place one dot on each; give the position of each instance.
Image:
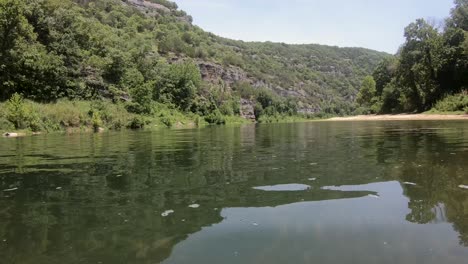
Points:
(178, 85)
(15, 31)
(142, 98)
(367, 92)
(459, 15)
(384, 73)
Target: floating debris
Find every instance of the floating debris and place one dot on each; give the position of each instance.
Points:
(11, 190)
(254, 224)
(374, 196)
(410, 183)
(463, 186)
(313, 164)
(167, 213)
(58, 188)
(194, 206)
(284, 188)
(312, 179)
(118, 176)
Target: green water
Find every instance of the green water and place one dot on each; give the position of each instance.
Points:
(383, 192)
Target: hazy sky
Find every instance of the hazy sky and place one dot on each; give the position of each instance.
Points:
(374, 24)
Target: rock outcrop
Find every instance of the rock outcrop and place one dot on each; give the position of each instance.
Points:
(213, 73)
(153, 9)
(247, 109)
(146, 5)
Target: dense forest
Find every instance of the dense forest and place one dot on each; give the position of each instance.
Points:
(430, 70)
(129, 63)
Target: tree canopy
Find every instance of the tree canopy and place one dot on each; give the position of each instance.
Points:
(429, 66)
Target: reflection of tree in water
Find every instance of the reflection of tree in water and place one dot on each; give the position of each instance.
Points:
(428, 159)
(115, 187)
(89, 199)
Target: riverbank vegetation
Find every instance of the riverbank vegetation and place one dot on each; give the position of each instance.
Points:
(430, 71)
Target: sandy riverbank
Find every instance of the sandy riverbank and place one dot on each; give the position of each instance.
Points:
(400, 117)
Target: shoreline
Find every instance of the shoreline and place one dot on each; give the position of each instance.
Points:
(402, 117)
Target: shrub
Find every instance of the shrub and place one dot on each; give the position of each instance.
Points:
(137, 122)
(258, 110)
(96, 120)
(167, 121)
(17, 112)
(230, 107)
(5, 124)
(215, 118)
(226, 109)
(452, 103)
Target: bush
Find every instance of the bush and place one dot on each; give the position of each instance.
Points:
(96, 120)
(137, 122)
(5, 125)
(215, 118)
(452, 103)
(226, 109)
(258, 110)
(17, 112)
(167, 121)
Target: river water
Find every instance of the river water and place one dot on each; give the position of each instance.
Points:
(318, 192)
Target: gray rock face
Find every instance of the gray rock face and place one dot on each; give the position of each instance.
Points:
(213, 73)
(247, 109)
(153, 9)
(142, 5)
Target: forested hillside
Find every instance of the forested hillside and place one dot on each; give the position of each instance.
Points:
(430, 70)
(144, 56)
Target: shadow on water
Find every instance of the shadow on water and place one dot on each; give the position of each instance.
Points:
(99, 198)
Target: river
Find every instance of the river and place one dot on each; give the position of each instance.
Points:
(317, 192)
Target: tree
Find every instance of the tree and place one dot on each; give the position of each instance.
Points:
(178, 85)
(14, 30)
(367, 92)
(459, 15)
(384, 73)
(420, 63)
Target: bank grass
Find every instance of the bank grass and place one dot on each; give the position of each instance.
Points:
(84, 116)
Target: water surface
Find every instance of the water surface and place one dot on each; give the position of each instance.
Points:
(352, 192)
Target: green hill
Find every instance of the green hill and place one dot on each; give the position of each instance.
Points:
(147, 55)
